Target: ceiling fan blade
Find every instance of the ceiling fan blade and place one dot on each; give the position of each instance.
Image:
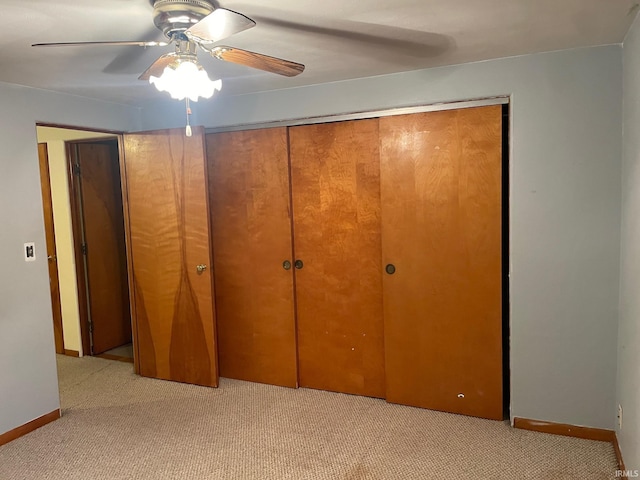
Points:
(112, 44)
(127, 59)
(219, 24)
(257, 60)
(158, 66)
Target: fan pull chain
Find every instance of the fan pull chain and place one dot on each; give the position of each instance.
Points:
(188, 129)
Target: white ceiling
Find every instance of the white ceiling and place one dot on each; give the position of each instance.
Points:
(335, 39)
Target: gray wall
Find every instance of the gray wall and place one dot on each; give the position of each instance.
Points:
(628, 392)
(28, 378)
(565, 205)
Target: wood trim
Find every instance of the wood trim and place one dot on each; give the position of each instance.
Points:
(564, 429)
(71, 353)
(29, 427)
(366, 114)
(52, 254)
(588, 433)
(106, 140)
(117, 358)
(76, 225)
(616, 448)
(81, 129)
(127, 241)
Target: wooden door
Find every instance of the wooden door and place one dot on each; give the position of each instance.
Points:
(168, 235)
(251, 231)
(441, 229)
(98, 170)
(52, 257)
(336, 209)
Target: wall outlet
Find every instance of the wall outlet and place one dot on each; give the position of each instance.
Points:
(620, 417)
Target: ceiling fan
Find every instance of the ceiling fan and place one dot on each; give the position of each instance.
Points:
(190, 24)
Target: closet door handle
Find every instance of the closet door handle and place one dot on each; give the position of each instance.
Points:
(299, 264)
(390, 269)
(200, 268)
(286, 265)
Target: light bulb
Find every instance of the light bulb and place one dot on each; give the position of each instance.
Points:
(186, 80)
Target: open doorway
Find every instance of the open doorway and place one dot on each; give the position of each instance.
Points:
(88, 242)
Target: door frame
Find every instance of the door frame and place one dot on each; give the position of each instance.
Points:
(127, 242)
(77, 236)
(80, 274)
(50, 234)
(507, 118)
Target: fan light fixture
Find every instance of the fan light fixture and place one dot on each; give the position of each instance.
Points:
(185, 78)
(191, 24)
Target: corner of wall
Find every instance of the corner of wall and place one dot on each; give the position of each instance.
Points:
(628, 353)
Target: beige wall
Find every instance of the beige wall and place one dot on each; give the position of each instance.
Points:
(55, 139)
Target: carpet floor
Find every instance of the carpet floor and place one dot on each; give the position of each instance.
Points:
(117, 425)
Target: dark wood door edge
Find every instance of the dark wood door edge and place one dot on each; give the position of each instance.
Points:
(29, 427)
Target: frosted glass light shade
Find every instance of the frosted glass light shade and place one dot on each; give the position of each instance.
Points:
(186, 80)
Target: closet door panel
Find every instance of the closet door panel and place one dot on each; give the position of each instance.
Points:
(166, 211)
(251, 225)
(336, 204)
(441, 229)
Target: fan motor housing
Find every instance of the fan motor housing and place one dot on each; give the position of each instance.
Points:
(173, 17)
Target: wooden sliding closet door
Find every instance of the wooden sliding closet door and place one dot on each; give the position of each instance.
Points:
(251, 226)
(441, 229)
(168, 234)
(335, 177)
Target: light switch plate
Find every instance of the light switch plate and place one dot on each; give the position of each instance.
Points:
(620, 416)
(29, 252)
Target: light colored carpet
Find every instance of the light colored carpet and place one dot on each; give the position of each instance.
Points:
(117, 425)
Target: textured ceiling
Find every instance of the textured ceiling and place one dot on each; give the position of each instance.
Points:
(335, 39)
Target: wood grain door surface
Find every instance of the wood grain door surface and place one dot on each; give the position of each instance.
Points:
(335, 178)
(251, 231)
(441, 228)
(52, 257)
(106, 258)
(169, 236)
